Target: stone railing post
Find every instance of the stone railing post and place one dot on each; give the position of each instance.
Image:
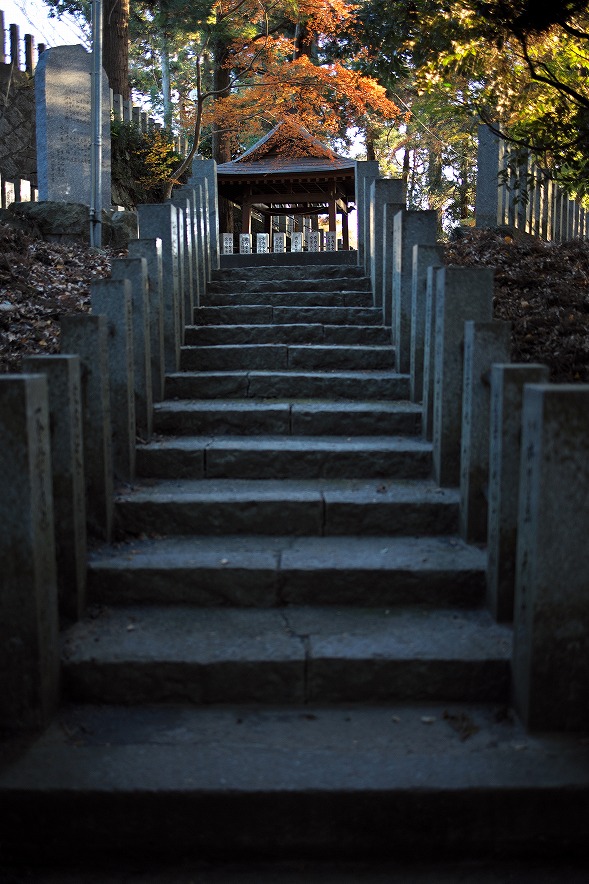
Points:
(367, 171)
(160, 220)
(67, 465)
(551, 616)
(462, 293)
(424, 257)
(151, 250)
(205, 172)
(29, 641)
(183, 294)
(383, 192)
(507, 383)
(87, 336)
(189, 193)
(410, 228)
(429, 353)
(487, 195)
(112, 299)
(135, 270)
(484, 344)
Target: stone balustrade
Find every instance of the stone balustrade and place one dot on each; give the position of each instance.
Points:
(68, 427)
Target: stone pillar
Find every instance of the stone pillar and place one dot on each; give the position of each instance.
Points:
(429, 353)
(551, 618)
(410, 228)
(67, 462)
(366, 173)
(112, 299)
(151, 250)
(29, 640)
(160, 220)
(383, 192)
(487, 195)
(87, 336)
(462, 293)
(182, 203)
(201, 263)
(135, 270)
(423, 258)
(484, 344)
(205, 172)
(507, 383)
(181, 231)
(190, 194)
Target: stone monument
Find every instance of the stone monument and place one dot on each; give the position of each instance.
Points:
(62, 92)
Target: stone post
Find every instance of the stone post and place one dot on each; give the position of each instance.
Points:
(200, 239)
(410, 228)
(383, 191)
(551, 617)
(484, 344)
(160, 220)
(429, 353)
(67, 461)
(462, 293)
(87, 336)
(189, 193)
(205, 172)
(151, 250)
(487, 195)
(112, 299)
(135, 270)
(367, 171)
(180, 249)
(29, 640)
(507, 383)
(424, 257)
(182, 203)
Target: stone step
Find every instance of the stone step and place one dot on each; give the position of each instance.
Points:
(266, 572)
(261, 314)
(180, 654)
(411, 780)
(317, 271)
(285, 384)
(292, 299)
(299, 333)
(303, 283)
(295, 507)
(291, 417)
(284, 457)
(282, 357)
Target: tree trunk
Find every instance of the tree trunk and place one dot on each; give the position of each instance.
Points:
(370, 145)
(166, 85)
(115, 57)
(221, 139)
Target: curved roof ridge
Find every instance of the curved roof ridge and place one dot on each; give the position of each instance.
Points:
(298, 130)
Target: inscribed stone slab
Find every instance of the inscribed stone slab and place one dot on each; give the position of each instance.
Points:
(63, 125)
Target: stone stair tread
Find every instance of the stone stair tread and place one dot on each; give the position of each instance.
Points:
(274, 442)
(418, 554)
(332, 374)
(330, 490)
(360, 298)
(211, 635)
(294, 749)
(309, 405)
(427, 779)
(335, 384)
(248, 571)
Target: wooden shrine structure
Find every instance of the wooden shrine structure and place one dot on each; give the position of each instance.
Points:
(289, 172)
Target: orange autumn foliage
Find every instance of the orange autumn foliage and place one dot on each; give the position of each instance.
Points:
(270, 84)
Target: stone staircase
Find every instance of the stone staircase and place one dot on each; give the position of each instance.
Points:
(287, 652)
